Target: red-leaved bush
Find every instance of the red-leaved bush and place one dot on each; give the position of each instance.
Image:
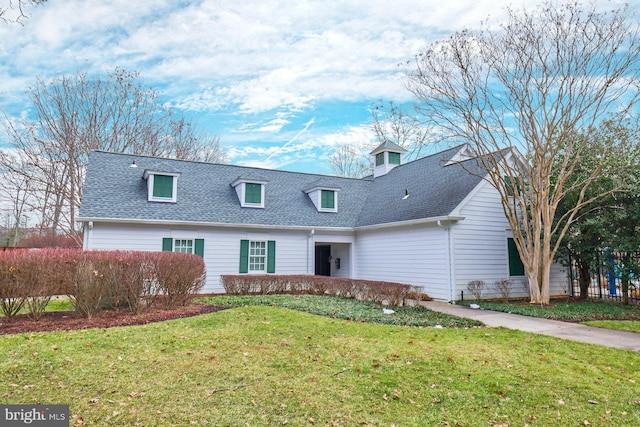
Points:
(51, 240)
(377, 291)
(96, 280)
(178, 276)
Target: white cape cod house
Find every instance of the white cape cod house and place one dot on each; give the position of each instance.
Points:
(433, 222)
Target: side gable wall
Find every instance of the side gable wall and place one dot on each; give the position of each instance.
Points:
(480, 247)
(416, 255)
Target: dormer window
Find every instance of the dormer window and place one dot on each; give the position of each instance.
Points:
(250, 192)
(327, 200)
(161, 186)
(379, 159)
(324, 198)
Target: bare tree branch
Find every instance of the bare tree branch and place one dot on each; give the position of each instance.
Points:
(75, 114)
(14, 11)
(534, 84)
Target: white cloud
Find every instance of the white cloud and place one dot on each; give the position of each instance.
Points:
(255, 55)
(264, 66)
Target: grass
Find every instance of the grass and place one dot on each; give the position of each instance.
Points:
(621, 325)
(347, 309)
(261, 366)
(570, 311)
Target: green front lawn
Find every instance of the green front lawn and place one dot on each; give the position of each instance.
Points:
(262, 366)
(348, 309)
(570, 311)
(621, 325)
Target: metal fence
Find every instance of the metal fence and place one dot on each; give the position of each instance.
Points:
(606, 278)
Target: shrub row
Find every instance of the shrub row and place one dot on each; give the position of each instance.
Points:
(369, 290)
(97, 279)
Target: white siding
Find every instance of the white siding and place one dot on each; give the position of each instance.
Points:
(415, 255)
(221, 246)
(480, 247)
(341, 251)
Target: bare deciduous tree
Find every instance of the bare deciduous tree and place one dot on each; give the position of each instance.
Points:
(534, 84)
(349, 161)
(393, 123)
(14, 11)
(390, 122)
(76, 114)
(17, 190)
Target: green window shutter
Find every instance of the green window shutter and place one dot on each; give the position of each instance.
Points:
(516, 267)
(380, 159)
(167, 244)
(163, 186)
(253, 193)
(244, 256)
(394, 158)
(328, 199)
(271, 256)
(199, 248)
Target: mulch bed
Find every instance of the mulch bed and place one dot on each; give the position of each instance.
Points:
(71, 320)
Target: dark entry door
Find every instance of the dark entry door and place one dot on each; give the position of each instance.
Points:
(323, 260)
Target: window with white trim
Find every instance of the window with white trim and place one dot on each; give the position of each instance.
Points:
(327, 200)
(188, 246)
(251, 193)
(183, 245)
(257, 256)
(161, 186)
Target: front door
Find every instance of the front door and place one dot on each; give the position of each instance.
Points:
(323, 260)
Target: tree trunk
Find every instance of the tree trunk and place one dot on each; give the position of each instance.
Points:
(626, 271)
(534, 287)
(545, 282)
(584, 278)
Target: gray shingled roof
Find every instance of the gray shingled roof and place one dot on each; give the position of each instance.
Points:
(434, 189)
(114, 190)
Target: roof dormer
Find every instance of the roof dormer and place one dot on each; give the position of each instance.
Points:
(250, 192)
(386, 157)
(161, 186)
(324, 197)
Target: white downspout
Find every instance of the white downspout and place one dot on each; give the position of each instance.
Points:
(452, 290)
(311, 252)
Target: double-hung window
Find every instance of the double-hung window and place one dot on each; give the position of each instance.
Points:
(187, 246)
(257, 256)
(183, 245)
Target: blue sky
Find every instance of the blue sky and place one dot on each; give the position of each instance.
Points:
(284, 83)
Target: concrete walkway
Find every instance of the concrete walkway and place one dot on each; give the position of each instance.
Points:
(571, 331)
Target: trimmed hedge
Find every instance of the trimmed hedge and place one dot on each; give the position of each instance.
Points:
(369, 290)
(96, 280)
